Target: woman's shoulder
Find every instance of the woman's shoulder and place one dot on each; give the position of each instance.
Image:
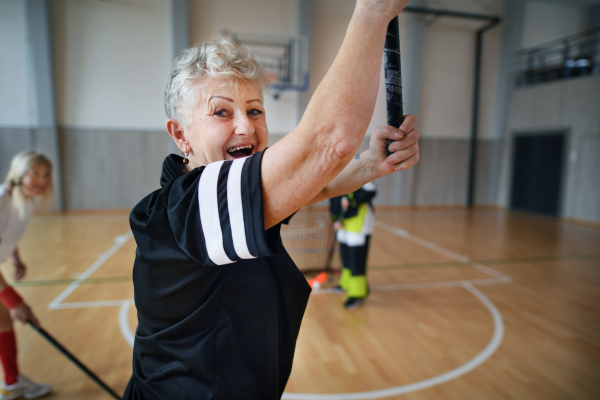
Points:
(154, 206)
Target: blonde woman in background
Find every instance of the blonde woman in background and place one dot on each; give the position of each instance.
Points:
(28, 183)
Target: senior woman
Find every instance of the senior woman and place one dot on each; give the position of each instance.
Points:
(219, 300)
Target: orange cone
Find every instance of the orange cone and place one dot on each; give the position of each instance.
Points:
(318, 280)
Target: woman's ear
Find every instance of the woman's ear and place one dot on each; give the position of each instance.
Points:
(177, 133)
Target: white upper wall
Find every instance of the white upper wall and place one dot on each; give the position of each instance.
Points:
(447, 79)
(546, 21)
(209, 17)
(448, 72)
(13, 64)
(112, 60)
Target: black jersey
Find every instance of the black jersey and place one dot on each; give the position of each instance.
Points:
(219, 300)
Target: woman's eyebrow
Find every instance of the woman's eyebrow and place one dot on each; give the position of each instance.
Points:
(221, 97)
(250, 101)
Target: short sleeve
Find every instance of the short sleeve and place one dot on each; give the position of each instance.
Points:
(216, 212)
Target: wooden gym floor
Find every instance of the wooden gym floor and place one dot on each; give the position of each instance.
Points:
(482, 304)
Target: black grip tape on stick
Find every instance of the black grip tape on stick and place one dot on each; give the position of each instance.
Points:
(393, 77)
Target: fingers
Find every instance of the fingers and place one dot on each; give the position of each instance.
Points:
(18, 273)
(34, 321)
(345, 203)
(405, 158)
(407, 163)
(19, 313)
(23, 313)
(407, 141)
(404, 146)
(410, 121)
(389, 132)
(30, 316)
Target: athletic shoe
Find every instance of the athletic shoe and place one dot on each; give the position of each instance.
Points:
(338, 289)
(24, 388)
(353, 302)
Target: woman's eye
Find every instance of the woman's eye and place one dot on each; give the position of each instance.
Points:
(254, 112)
(221, 113)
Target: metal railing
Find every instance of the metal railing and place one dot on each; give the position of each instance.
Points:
(575, 55)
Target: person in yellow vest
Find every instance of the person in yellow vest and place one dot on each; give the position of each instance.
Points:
(354, 219)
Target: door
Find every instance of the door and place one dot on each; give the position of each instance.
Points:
(537, 173)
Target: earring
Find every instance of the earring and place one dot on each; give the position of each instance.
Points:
(185, 159)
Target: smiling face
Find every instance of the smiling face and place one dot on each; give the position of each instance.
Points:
(35, 182)
(227, 123)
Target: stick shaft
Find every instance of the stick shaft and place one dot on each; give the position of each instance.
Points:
(393, 77)
(74, 360)
(331, 247)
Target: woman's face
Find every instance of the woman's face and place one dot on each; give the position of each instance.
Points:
(36, 181)
(227, 123)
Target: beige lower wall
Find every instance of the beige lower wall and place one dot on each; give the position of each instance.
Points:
(111, 169)
(105, 169)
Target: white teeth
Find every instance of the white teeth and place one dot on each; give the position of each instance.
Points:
(231, 150)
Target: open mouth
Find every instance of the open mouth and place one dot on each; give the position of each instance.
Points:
(240, 151)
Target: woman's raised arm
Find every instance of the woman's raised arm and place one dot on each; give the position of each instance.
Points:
(300, 165)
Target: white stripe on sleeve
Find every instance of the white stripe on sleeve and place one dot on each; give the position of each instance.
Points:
(236, 210)
(208, 201)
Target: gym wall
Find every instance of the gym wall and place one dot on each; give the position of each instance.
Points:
(111, 60)
(568, 106)
(207, 18)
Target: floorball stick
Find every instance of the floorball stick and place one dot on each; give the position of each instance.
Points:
(393, 77)
(75, 361)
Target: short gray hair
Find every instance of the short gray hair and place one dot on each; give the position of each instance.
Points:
(220, 60)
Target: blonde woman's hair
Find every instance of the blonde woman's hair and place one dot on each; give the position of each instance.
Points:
(19, 166)
(218, 60)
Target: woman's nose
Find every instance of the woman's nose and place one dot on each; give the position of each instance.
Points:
(244, 126)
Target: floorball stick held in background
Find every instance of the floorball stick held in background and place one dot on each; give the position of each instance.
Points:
(75, 361)
(393, 77)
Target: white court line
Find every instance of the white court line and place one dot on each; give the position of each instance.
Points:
(424, 243)
(480, 358)
(119, 242)
(90, 304)
(422, 285)
(124, 322)
(463, 259)
(490, 271)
